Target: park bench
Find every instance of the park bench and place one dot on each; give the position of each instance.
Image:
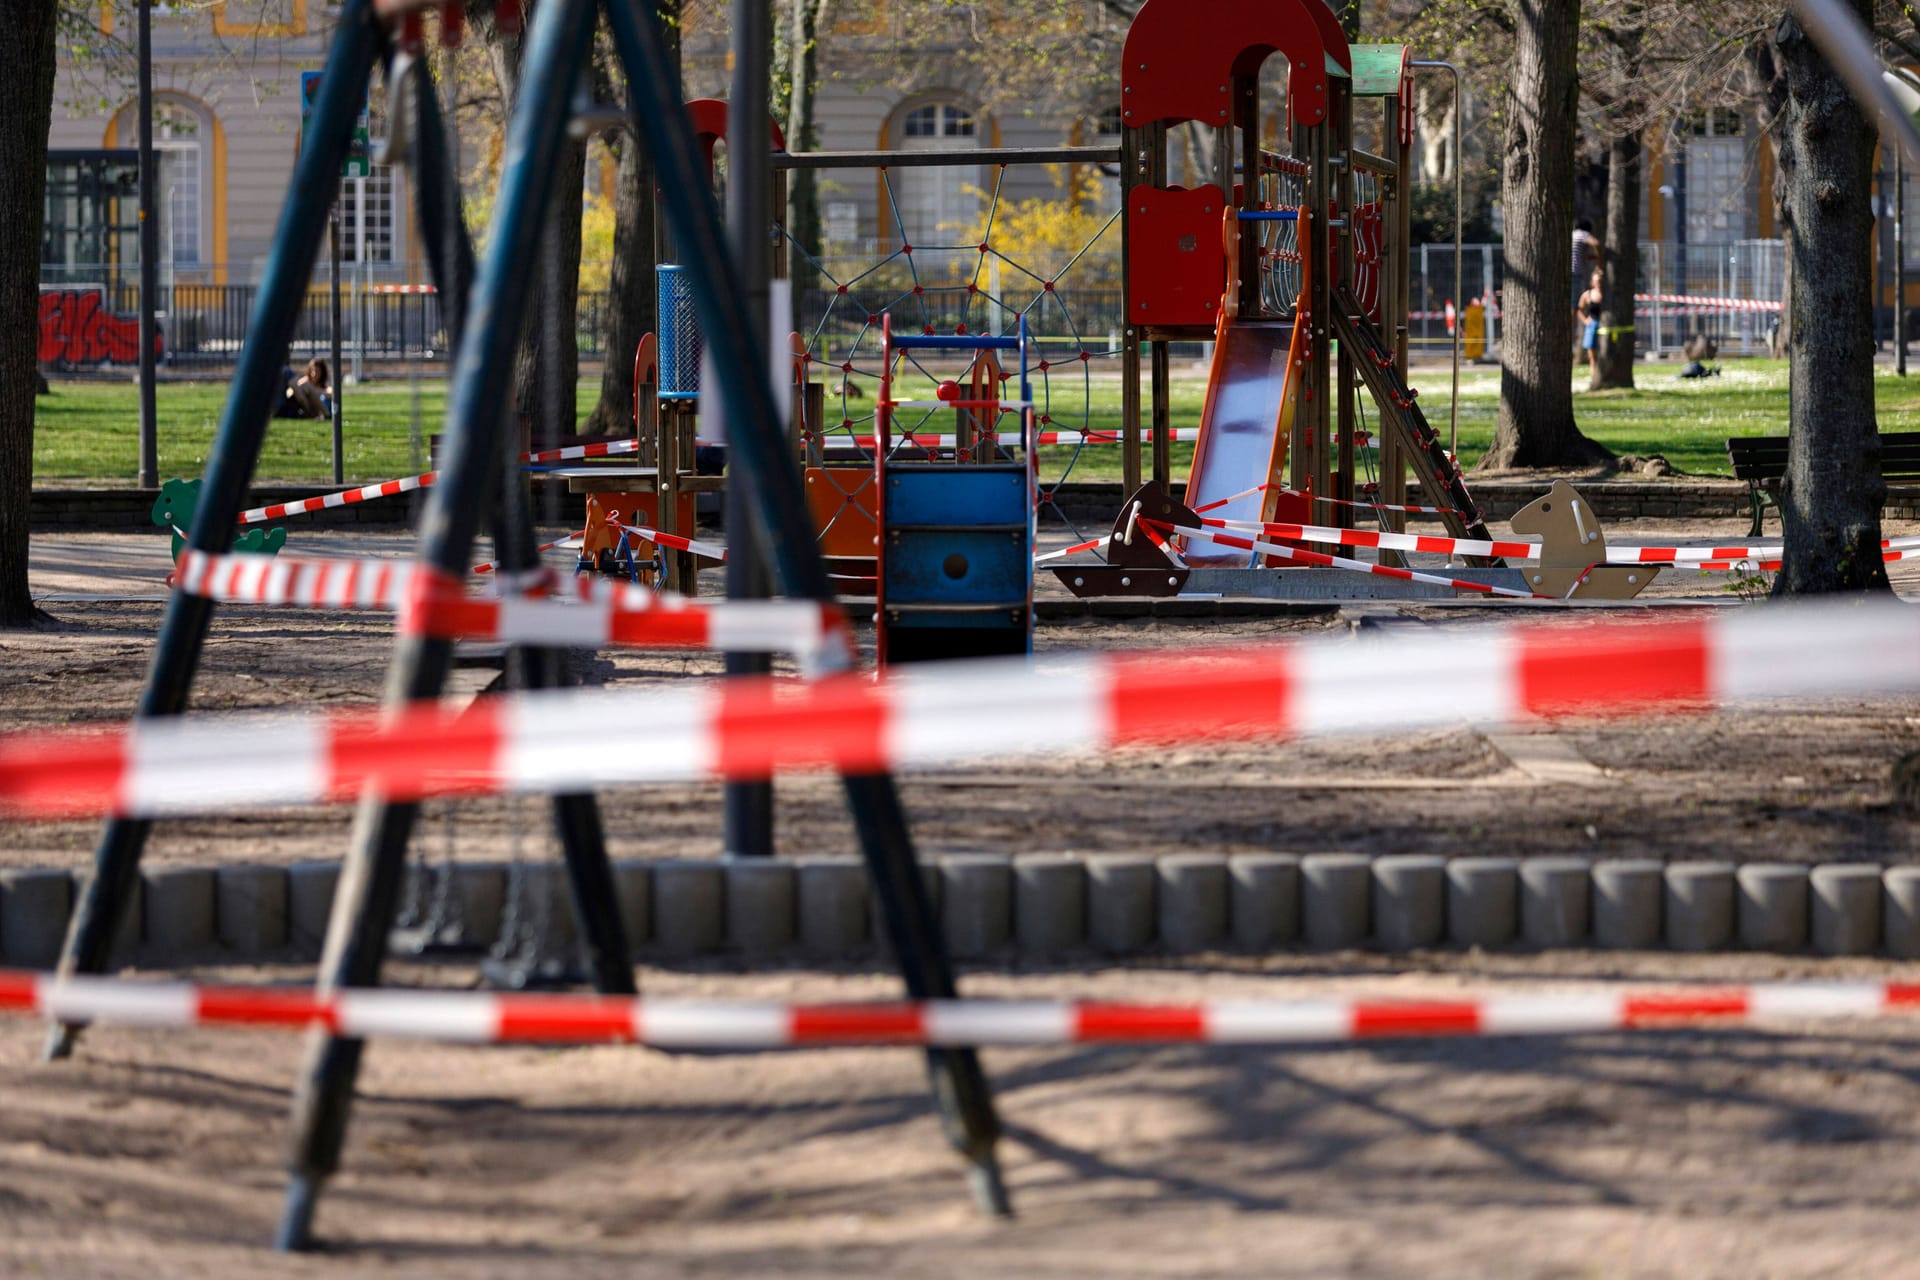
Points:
(1762, 461)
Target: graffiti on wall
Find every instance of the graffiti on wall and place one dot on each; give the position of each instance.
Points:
(76, 328)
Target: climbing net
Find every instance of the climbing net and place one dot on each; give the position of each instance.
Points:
(968, 286)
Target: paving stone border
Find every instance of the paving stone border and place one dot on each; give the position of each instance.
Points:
(1046, 906)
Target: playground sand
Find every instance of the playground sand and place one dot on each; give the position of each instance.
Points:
(1697, 1154)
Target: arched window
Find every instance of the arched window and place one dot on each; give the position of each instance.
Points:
(938, 120)
(937, 204)
(183, 164)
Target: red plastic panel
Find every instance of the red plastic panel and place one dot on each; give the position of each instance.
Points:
(1180, 57)
(1332, 38)
(1176, 264)
(710, 127)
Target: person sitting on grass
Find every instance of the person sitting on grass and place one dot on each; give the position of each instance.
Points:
(309, 396)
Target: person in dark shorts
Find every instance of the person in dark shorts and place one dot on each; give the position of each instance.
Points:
(1588, 254)
(1588, 307)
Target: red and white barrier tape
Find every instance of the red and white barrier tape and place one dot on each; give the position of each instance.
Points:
(1010, 439)
(479, 1017)
(1091, 544)
(596, 615)
(346, 497)
(945, 713)
(571, 540)
(407, 484)
(1299, 556)
(1380, 538)
(1893, 549)
(711, 550)
(625, 615)
(292, 582)
(1719, 557)
(1706, 303)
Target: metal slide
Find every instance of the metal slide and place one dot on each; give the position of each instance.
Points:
(1245, 427)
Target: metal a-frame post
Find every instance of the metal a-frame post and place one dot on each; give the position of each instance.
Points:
(358, 41)
(243, 425)
(557, 46)
(747, 817)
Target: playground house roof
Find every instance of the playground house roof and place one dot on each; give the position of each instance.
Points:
(1378, 69)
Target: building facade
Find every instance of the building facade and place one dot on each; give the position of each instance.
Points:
(226, 87)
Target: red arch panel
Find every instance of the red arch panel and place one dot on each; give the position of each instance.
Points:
(1180, 56)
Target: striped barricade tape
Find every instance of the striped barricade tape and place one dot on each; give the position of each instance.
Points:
(1090, 544)
(1300, 556)
(1892, 549)
(407, 484)
(624, 615)
(478, 1017)
(1008, 438)
(1380, 538)
(946, 713)
(344, 498)
(711, 550)
(293, 582)
(597, 614)
(571, 541)
(1517, 550)
(1701, 302)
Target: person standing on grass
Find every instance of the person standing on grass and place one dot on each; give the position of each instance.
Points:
(1588, 254)
(1587, 308)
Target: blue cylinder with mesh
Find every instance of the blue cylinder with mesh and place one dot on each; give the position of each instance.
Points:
(679, 335)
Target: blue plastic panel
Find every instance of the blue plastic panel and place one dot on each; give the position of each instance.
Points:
(957, 495)
(956, 567)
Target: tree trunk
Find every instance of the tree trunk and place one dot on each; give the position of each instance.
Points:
(1614, 368)
(553, 319)
(1536, 427)
(803, 193)
(633, 303)
(26, 112)
(631, 306)
(1830, 499)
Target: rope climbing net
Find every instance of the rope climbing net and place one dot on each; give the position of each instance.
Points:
(967, 284)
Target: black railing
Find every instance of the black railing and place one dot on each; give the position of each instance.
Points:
(203, 325)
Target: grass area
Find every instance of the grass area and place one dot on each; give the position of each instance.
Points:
(1687, 421)
(86, 431)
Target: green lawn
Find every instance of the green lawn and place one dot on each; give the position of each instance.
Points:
(85, 431)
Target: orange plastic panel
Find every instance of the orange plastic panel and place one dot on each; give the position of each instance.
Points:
(841, 500)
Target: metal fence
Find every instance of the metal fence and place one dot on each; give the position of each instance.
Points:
(1728, 291)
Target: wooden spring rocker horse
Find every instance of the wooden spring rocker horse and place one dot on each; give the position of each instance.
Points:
(1573, 551)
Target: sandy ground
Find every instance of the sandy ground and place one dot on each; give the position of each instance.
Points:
(1705, 784)
(1700, 1154)
(1705, 1154)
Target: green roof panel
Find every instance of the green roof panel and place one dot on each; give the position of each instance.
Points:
(1376, 69)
